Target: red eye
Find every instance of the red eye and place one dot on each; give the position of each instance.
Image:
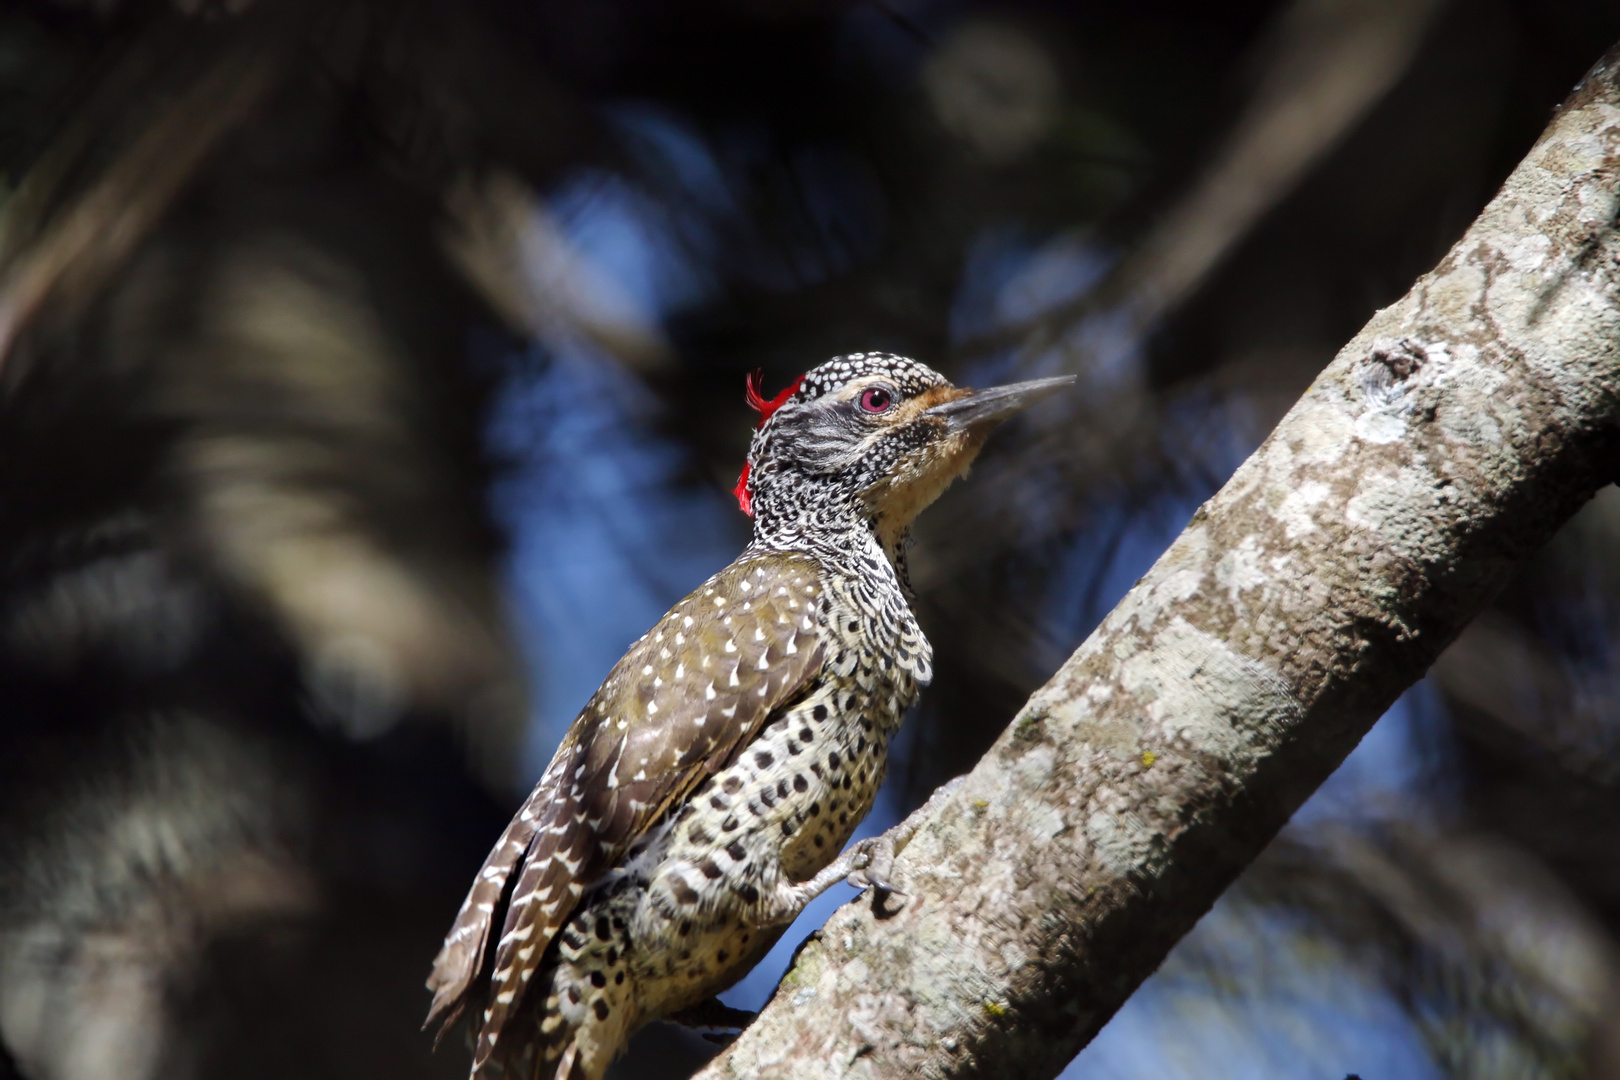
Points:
(876, 400)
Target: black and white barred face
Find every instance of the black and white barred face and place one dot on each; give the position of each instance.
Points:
(838, 434)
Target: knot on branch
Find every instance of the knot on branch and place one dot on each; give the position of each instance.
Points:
(1386, 384)
(1394, 360)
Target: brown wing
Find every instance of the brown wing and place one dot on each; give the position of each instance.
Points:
(680, 704)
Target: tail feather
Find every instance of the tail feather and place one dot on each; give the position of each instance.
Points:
(465, 952)
(564, 856)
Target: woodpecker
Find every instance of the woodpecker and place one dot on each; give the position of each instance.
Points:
(701, 798)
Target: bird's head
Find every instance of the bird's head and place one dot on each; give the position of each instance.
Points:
(869, 436)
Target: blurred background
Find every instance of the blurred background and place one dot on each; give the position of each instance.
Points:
(371, 375)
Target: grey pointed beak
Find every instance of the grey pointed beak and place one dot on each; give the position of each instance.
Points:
(982, 408)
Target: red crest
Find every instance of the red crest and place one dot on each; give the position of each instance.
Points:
(765, 408)
(759, 404)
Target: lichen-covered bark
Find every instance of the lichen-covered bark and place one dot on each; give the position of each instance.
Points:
(1448, 440)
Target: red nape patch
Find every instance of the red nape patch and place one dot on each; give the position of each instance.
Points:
(759, 404)
(765, 408)
(741, 491)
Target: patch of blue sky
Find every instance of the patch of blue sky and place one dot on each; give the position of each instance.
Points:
(1392, 771)
(627, 237)
(605, 535)
(1104, 348)
(1009, 278)
(605, 538)
(669, 150)
(1128, 528)
(1298, 1014)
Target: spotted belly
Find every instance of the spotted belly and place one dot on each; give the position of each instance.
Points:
(691, 912)
(782, 811)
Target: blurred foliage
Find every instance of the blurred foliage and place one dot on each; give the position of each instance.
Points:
(334, 333)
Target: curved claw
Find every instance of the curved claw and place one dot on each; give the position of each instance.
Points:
(870, 860)
(872, 866)
(883, 885)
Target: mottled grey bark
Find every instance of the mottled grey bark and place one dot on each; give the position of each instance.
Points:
(1447, 441)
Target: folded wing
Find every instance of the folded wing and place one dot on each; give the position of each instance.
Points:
(681, 704)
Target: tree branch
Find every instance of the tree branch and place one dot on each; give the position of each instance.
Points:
(1446, 442)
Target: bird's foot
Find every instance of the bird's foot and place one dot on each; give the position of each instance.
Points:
(865, 865)
(872, 860)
